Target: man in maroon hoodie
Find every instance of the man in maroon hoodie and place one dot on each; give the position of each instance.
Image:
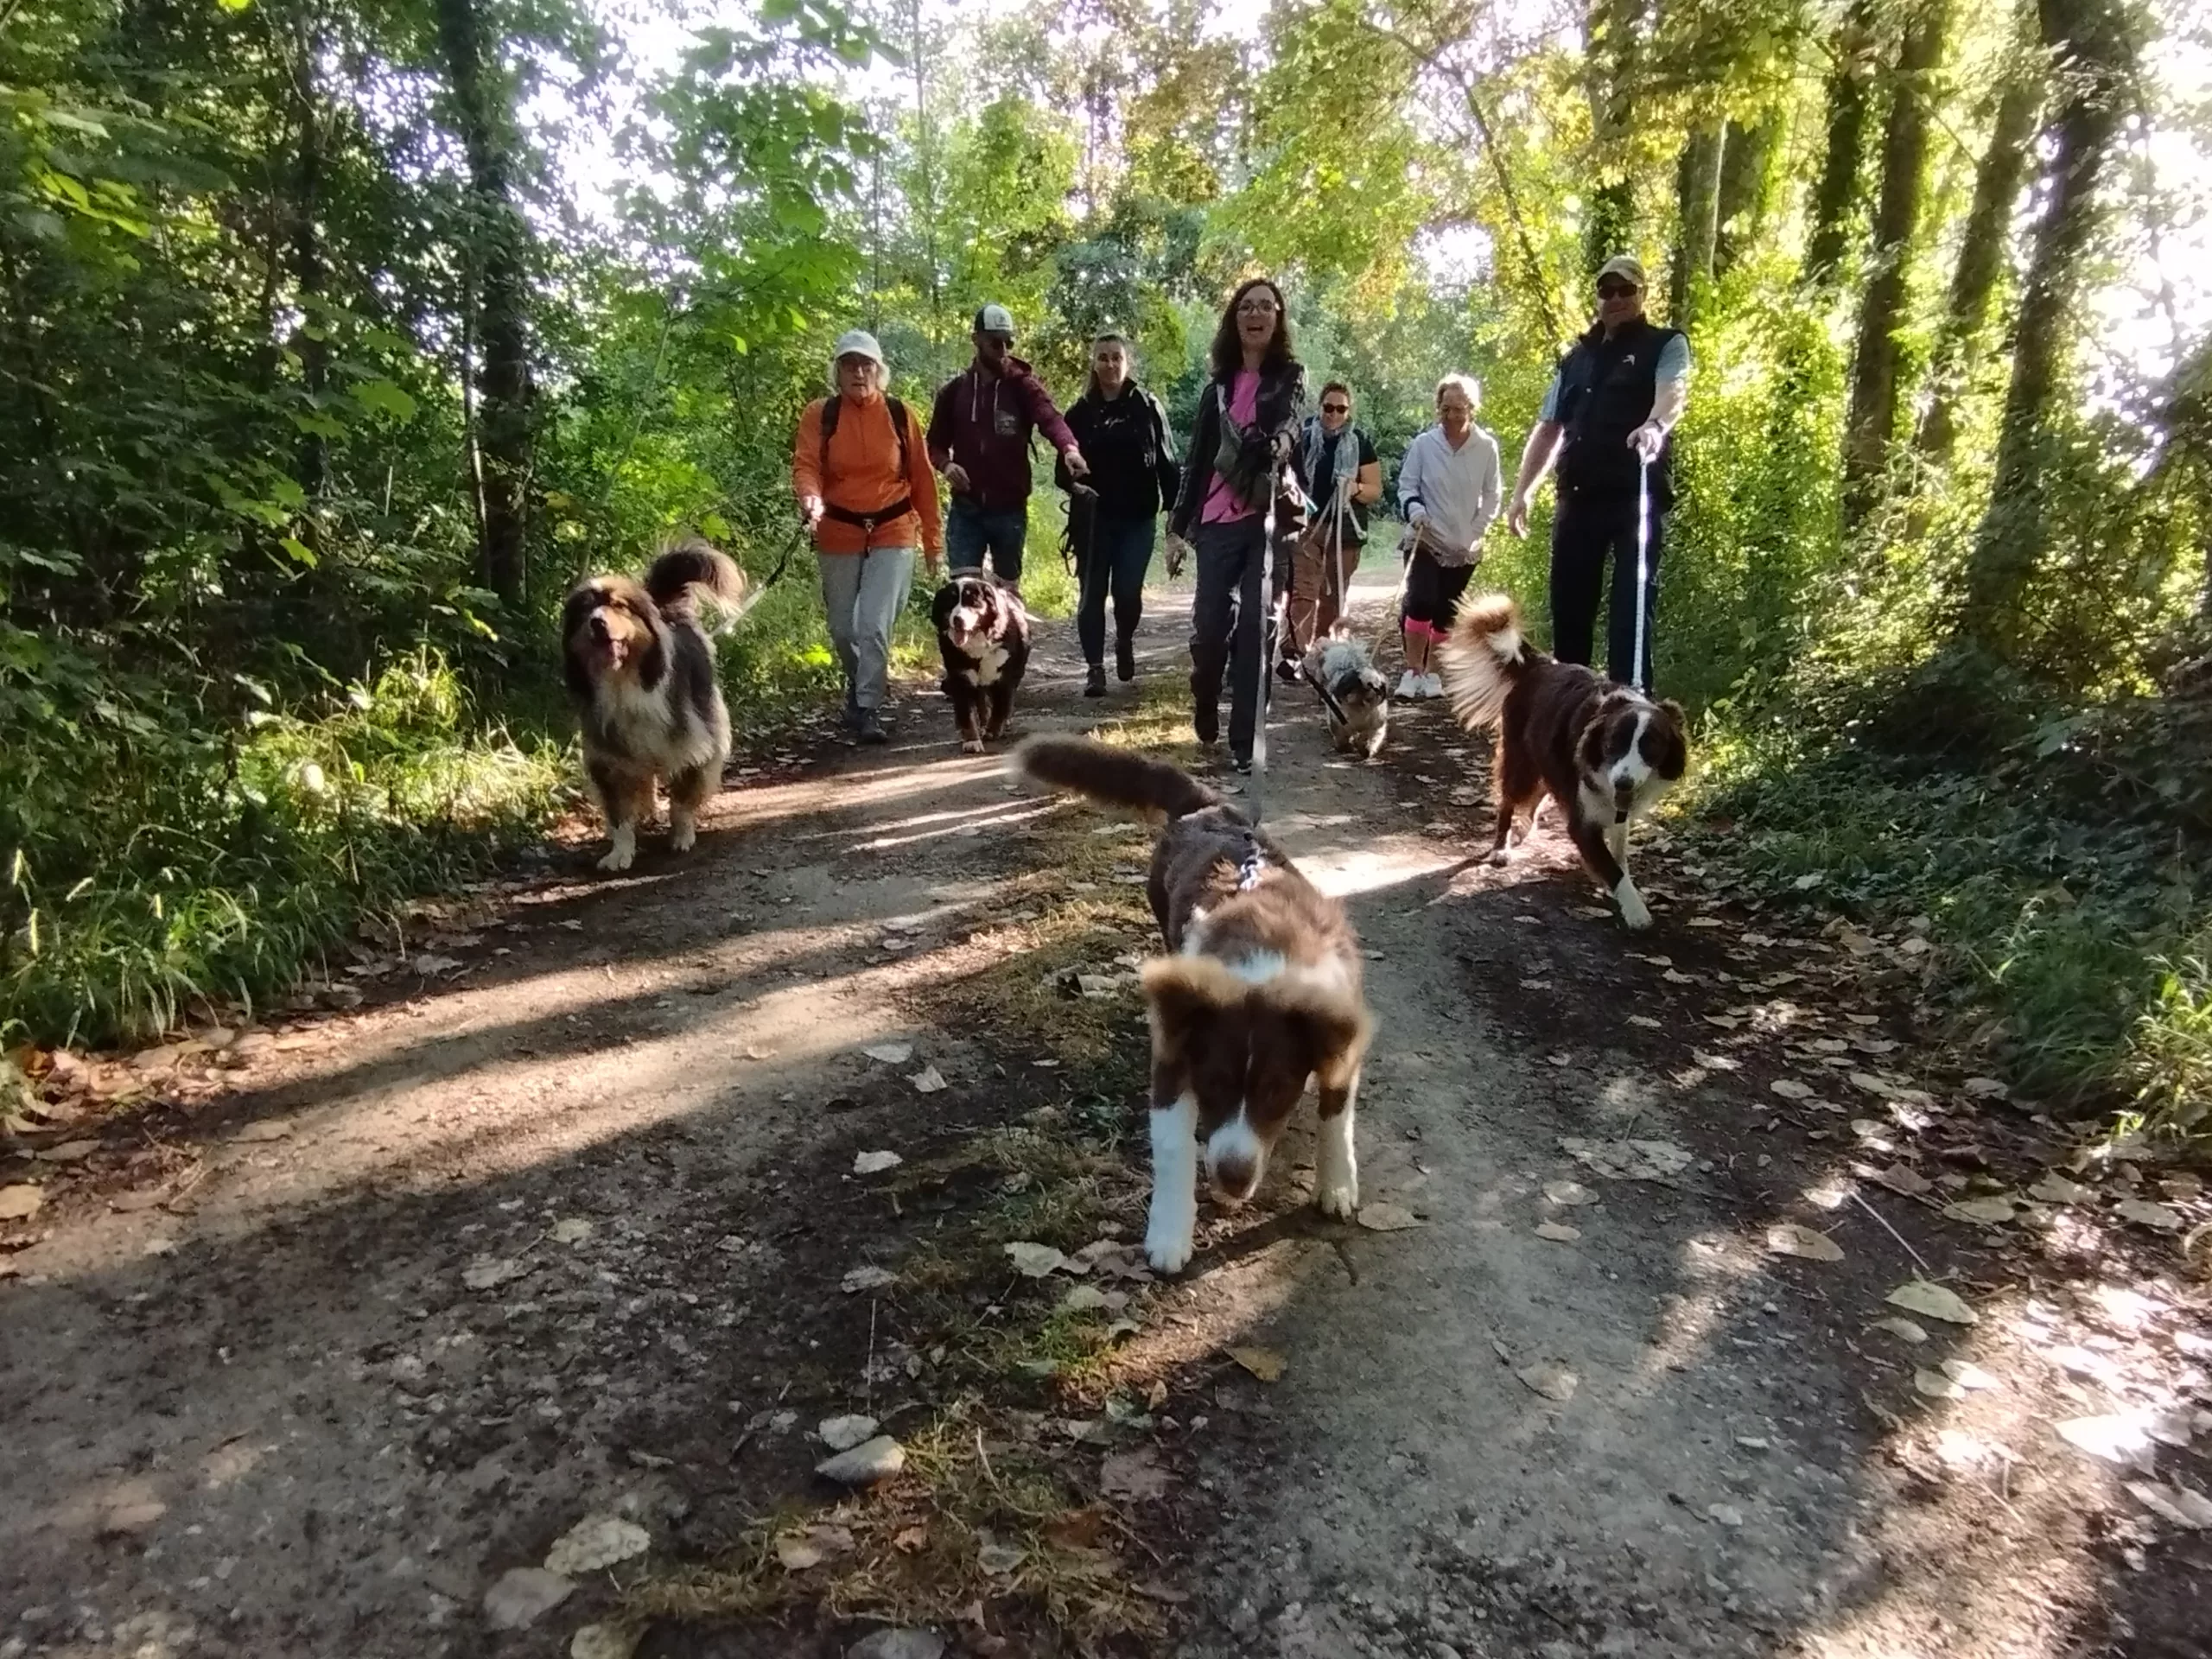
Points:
(979, 439)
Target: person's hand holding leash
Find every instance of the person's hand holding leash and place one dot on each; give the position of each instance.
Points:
(956, 476)
(1647, 439)
(1517, 516)
(1177, 550)
(810, 511)
(1078, 467)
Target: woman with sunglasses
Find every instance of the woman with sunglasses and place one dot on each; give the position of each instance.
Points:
(1244, 454)
(1347, 475)
(1605, 422)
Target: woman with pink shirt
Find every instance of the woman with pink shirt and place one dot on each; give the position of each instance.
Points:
(1245, 445)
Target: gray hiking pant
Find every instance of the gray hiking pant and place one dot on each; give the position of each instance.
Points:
(862, 592)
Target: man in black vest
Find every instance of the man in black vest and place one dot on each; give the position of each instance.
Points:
(1605, 421)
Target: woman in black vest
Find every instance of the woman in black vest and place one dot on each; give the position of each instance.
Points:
(1114, 514)
(1605, 421)
(1245, 455)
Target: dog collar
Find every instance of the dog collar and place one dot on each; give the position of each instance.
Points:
(1248, 873)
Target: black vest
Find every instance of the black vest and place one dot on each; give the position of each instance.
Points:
(1605, 390)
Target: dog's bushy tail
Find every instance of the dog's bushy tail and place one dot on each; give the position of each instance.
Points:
(693, 568)
(1482, 656)
(1112, 777)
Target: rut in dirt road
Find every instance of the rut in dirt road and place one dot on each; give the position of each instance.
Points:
(611, 1223)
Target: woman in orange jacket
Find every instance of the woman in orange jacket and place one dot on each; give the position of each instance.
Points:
(861, 468)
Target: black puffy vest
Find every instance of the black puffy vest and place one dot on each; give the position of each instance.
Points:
(1605, 390)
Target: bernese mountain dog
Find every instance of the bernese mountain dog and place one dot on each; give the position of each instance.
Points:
(982, 632)
(641, 669)
(1260, 990)
(1354, 696)
(1605, 753)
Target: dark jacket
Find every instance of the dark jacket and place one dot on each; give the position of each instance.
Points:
(1606, 387)
(983, 422)
(1132, 454)
(1271, 444)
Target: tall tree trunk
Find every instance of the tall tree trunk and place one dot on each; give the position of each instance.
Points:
(1697, 195)
(1835, 196)
(503, 298)
(1747, 188)
(1984, 241)
(1871, 425)
(1610, 56)
(2088, 43)
(307, 280)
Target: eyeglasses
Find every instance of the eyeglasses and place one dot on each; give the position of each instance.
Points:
(1258, 305)
(1616, 291)
(1336, 408)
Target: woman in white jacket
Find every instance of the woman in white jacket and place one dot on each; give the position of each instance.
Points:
(1448, 489)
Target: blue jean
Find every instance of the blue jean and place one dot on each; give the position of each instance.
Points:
(970, 529)
(862, 593)
(1113, 554)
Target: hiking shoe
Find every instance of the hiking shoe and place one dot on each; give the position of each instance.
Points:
(1125, 660)
(1411, 684)
(1241, 764)
(1432, 685)
(1094, 681)
(869, 727)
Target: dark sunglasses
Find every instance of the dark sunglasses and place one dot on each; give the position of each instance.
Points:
(1336, 408)
(1615, 291)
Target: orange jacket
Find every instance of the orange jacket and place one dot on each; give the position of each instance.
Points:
(861, 472)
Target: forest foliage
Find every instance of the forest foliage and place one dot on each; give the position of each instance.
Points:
(335, 340)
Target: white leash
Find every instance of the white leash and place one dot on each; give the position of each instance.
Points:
(1643, 565)
(1262, 664)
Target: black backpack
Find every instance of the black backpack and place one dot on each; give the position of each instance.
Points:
(836, 402)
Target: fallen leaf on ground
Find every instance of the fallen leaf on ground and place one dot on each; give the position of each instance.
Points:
(569, 1230)
(603, 1642)
(1790, 1089)
(69, 1152)
(2145, 1213)
(874, 1163)
(868, 1278)
(890, 1053)
(1728, 1515)
(2176, 1504)
(20, 1203)
(998, 1559)
(927, 1081)
(1985, 1089)
(1553, 1381)
(1936, 1386)
(1933, 1301)
(1908, 1182)
(1083, 1299)
(1568, 1194)
(269, 1130)
(428, 965)
(487, 1271)
(1646, 1021)
(797, 1555)
(844, 1433)
(1788, 1238)
(1967, 1374)
(912, 1540)
(596, 1541)
(1133, 1474)
(1035, 1261)
(522, 1596)
(1263, 1362)
(2121, 1437)
(1628, 1160)
(1558, 1232)
(2057, 1189)
(122, 1520)
(1985, 1212)
(1903, 1330)
(1388, 1219)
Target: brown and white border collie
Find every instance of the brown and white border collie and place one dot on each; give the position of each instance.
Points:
(1260, 991)
(1605, 753)
(641, 671)
(983, 633)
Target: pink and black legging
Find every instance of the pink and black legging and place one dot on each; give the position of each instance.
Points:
(1433, 593)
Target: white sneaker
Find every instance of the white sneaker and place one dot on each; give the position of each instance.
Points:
(1410, 684)
(1432, 685)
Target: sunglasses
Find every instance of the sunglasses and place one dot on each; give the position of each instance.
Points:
(1336, 408)
(1616, 291)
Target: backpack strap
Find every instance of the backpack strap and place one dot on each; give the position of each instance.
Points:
(836, 403)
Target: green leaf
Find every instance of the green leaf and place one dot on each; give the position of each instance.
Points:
(385, 399)
(301, 552)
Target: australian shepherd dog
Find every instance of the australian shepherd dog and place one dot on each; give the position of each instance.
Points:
(1260, 991)
(1355, 697)
(641, 669)
(982, 632)
(1605, 753)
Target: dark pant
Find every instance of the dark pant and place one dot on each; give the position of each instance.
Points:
(1113, 554)
(969, 530)
(1230, 616)
(1585, 530)
(1433, 594)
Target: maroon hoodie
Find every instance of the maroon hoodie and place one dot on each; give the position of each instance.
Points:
(983, 422)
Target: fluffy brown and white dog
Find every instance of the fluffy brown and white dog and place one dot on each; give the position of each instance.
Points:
(641, 669)
(1354, 696)
(1605, 753)
(983, 633)
(1260, 991)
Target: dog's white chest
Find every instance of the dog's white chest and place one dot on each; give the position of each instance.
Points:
(989, 666)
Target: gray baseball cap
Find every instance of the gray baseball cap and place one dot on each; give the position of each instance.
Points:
(995, 319)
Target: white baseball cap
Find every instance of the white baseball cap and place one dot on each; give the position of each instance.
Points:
(858, 342)
(995, 319)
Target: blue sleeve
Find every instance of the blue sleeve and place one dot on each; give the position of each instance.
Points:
(1549, 410)
(1673, 358)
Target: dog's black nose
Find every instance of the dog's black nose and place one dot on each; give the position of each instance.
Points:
(598, 627)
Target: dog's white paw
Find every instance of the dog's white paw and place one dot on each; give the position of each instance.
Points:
(1167, 1249)
(1501, 857)
(683, 835)
(1337, 1198)
(972, 746)
(623, 850)
(1636, 915)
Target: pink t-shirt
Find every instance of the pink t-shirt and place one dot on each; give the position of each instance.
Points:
(1222, 505)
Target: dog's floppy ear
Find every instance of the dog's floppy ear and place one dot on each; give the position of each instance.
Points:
(1335, 1023)
(1674, 747)
(1182, 992)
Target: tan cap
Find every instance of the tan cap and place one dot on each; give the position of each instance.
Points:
(1623, 264)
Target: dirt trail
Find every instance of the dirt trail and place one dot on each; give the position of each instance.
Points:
(304, 1367)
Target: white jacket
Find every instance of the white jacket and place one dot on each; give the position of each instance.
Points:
(1457, 491)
